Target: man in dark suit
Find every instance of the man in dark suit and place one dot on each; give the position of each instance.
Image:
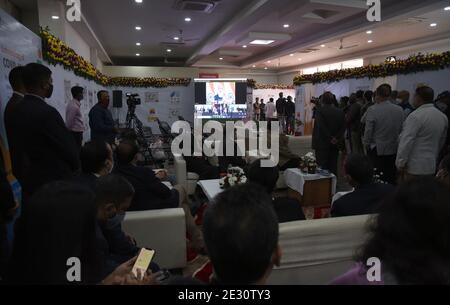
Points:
(329, 128)
(290, 115)
(287, 209)
(48, 147)
(10, 118)
(367, 196)
(150, 192)
(280, 105)
(101, 120)
(96, 161)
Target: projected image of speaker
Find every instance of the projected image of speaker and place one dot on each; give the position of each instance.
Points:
(117, 99)
(221, 98)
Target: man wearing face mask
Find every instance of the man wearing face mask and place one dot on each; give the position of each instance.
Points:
(101, 120)
(113, 196)
(96, 161)
(46, 145)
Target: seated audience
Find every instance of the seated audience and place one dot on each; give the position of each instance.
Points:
(113, 195)
(367, 195)
(150, 192)
(287, 159)
(410, 238)
(287, 209)
(58, 224)
(241, 236)
(444, 170)
(96, 161)
(200, 164)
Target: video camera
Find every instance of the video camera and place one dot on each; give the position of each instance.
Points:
(133, 100)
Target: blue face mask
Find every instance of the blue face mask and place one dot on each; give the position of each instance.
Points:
(115, 221)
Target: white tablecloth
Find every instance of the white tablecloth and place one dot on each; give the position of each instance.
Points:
(210, 187)
(295, 179)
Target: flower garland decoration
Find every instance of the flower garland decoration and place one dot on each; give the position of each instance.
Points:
(253, 84)
(413, 64)
(145, 82)
(57, 52)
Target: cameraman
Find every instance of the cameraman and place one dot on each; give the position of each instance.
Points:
(101, 120)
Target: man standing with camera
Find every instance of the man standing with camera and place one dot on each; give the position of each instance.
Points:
(101, 120)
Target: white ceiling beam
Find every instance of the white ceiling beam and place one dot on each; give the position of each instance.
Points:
(216, 40)
(355, 25)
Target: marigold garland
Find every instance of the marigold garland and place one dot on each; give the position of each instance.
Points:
(253, 84)
(56, 52)
(413, 64)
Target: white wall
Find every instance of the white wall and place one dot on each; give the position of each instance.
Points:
(287, 78)
(76, 42)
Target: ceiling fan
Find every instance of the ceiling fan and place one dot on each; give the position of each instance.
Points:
(342, 47)
(181, 40)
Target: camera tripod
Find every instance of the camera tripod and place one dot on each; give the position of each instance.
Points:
(133, 123)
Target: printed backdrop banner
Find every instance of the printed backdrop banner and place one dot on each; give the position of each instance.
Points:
(18, 46)
(165, 104)
(266, 94)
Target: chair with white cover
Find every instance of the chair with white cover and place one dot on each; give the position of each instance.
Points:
(317, 251)
(184, 178)
(161, 230)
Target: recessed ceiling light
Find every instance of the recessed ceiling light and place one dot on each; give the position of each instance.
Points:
(138, 28)
(138, 1)
(187, 19)
(262, 42)
(138, 54)
(176, 38)
(138, 44)
(244, 46)
(265, 68)
(433, 25)
(300, 59)
(322, 46)
(55, 17)
(369, 32)
(269, 61)
(169, 50)
(369, 41)
(291, 55)
(447, 8)
(254, 66)
(220, 58)
(286, 26)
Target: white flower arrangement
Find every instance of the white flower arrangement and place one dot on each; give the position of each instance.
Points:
(308, 163)
(235, 176)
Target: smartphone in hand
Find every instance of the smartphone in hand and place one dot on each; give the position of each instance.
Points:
(143, 262)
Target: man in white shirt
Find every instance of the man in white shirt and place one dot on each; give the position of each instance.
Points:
(270, 110)
(74, 118)
(423, 136)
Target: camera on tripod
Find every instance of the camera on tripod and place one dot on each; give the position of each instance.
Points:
(133, 100)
